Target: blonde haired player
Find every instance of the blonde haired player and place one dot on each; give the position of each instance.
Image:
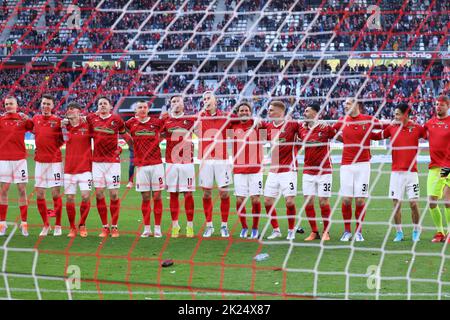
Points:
(282, 178)
(214, 164)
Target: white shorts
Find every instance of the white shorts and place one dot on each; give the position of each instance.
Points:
(180, 177)
(404, 181)
(48, 175)
(14, 171)
(71, 181)
(106, 175)
(150, 178)
(355, 180)
(248, 184)
(218, 170)
(286, 182)
(317, 185)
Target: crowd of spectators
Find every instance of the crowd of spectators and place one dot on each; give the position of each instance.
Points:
(380, 87)
(280, 26)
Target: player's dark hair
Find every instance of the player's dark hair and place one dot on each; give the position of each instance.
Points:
(48, 97)
(404, 108)
(106, 98)
(244, 103)
(75, 105)
(315, 107)
(176, 96)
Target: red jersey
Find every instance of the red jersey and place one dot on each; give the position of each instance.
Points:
(178, 134)
(212, 135)
(78, 149)
(404, 144)
(284, 150)
(317, 149)
(247, 147)
(12, 133)
(146, 138)
(356, 137)
(106, 136)
(48, 137)
(439, 140)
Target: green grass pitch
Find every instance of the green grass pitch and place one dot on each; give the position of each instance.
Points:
(129, 267)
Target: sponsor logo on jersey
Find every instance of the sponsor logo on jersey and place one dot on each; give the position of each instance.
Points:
(177, 129)
(104, 130)
(145, 133)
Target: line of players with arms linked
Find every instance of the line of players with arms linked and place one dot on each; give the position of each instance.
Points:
(85, 168)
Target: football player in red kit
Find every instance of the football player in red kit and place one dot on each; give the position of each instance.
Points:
(13, 162)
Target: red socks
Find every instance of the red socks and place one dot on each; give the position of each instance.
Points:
(102, 210)
(360, 213)
(225, 208)
(291, 212)
(241, 213)
(326, 212)
(3, 211)
(42, 208)
(189, 206)
(70, 208)
(207, 207)
(57, 206)
(157, 209)
(146, 209)
(84, 212)
(24, 213)
(174, 206)
(273, 213)
(114, 207)
(347, 215)
(256, 209)
(311, 215)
